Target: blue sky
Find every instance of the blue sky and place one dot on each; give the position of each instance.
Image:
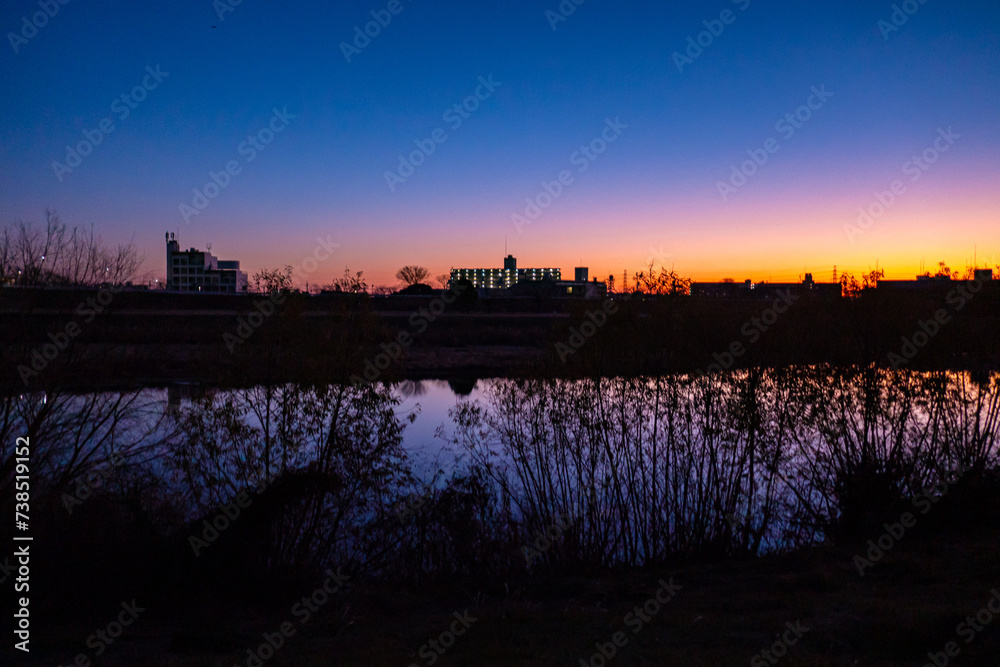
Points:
(655, 188)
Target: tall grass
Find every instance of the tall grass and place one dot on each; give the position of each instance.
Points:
(586, 474)
(656, 469)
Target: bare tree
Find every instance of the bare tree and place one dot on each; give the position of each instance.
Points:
(58, 255)
(411, 275)
(442, 280)
(8, 265)
(667, 282)
(351, 283)
(851, 288)
(272, 281)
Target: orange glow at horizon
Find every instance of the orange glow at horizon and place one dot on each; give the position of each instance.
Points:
(763, 239)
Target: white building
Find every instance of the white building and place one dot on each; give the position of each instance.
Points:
(503, 278)
(195, 270)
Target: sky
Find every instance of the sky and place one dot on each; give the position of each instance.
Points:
(733, 138)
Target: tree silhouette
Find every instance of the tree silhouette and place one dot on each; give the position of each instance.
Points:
(351, 283)
(271, 281)
(411, 275)
(851, 288)
(663, 283)
(59, 255)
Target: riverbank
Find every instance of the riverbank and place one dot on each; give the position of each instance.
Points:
(155, 338)
(809, 608)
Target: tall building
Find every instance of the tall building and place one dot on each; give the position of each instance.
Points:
(503, 278)
(195, 270)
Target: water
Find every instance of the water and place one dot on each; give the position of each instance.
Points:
(428, 440)
(648, 468)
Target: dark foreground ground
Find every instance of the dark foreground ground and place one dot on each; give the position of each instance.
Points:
(905, 610)
(160, 337)
(912, 602)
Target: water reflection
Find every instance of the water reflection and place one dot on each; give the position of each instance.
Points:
(463, 386)
(633, 470)
(656, 468)
(184, 392)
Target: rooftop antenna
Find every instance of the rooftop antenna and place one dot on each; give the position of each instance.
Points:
(209, 246)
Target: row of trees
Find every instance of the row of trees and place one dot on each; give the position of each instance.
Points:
(60, 255)
(32, 256)
(853, 287)
(649, 281)
(351, 282)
